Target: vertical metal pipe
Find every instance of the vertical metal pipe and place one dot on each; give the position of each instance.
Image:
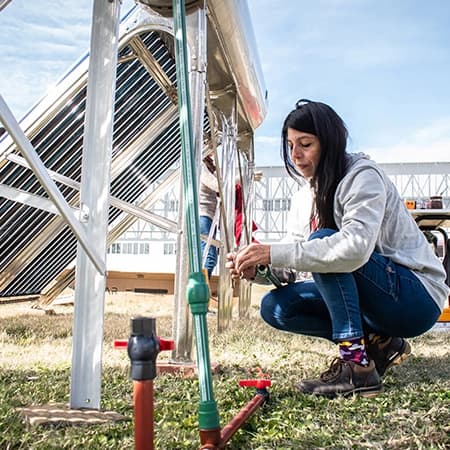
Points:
(85, 389)
(182, 326)
(225, 311)
(245, 288)
(197, 289)
(182, 330)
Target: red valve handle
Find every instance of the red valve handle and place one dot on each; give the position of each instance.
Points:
(258, 384)
(121, 344)
(164, 344)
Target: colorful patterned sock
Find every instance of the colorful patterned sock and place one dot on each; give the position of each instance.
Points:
(354, 350)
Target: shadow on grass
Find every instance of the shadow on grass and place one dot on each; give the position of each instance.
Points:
(422, 370)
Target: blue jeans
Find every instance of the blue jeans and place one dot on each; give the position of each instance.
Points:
(211, 258)
(380, 297)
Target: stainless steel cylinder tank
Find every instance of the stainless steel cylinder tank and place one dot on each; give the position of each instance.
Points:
(164, 7)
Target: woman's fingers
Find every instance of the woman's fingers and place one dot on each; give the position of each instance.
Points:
(251, 256)
(230, 265)
(243, 264)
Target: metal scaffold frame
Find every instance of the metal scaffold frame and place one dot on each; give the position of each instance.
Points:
(98, 153)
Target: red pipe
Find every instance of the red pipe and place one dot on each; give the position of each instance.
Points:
(143, 348)
(217, 439)
(143, 414)
(209, 438)
(237, 421)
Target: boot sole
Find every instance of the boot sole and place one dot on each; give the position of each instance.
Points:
(366, 392)
(371, 392)
(400, 357)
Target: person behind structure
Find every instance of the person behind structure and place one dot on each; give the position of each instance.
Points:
(208, 203)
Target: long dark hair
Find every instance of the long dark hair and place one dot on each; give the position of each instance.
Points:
(322, 121)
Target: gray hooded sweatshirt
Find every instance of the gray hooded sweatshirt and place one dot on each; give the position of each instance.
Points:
(370, 216)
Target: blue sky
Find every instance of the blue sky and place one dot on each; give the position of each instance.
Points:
(383, 65)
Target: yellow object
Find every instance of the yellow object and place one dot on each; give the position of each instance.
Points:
(445, 316)
(205, 273)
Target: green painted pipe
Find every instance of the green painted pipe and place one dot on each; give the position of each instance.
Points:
(197, 288)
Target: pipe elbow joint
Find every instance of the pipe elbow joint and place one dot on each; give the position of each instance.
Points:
(197, 293)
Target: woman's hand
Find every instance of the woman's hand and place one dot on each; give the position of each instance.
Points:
(248, 274)
(250, 257)
(230, 265)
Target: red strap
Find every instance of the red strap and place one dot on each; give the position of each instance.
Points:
(313, 223)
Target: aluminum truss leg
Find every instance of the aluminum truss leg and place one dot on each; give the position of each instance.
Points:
(85, 388)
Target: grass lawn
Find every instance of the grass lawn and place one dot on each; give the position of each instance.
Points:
(413, 412)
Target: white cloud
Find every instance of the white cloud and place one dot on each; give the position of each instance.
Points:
(438, 130)
(267, 151)
(428, 144)
(267, 140)
(437, 151)
(356, 35)
(39, 42)
(431, 143)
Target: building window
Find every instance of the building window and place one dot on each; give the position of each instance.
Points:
(130, 248)
(169, 248)
(172, 205)
(278, 204)
(268, 205)
(115, 248)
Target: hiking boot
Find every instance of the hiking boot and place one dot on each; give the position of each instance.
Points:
(389, 353)
(344, 378)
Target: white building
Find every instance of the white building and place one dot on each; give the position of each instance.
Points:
(145, 247)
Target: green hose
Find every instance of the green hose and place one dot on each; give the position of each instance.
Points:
(197, 288)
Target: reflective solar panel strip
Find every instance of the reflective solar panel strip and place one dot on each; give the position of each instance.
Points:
(35, 246)
(119, 226)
